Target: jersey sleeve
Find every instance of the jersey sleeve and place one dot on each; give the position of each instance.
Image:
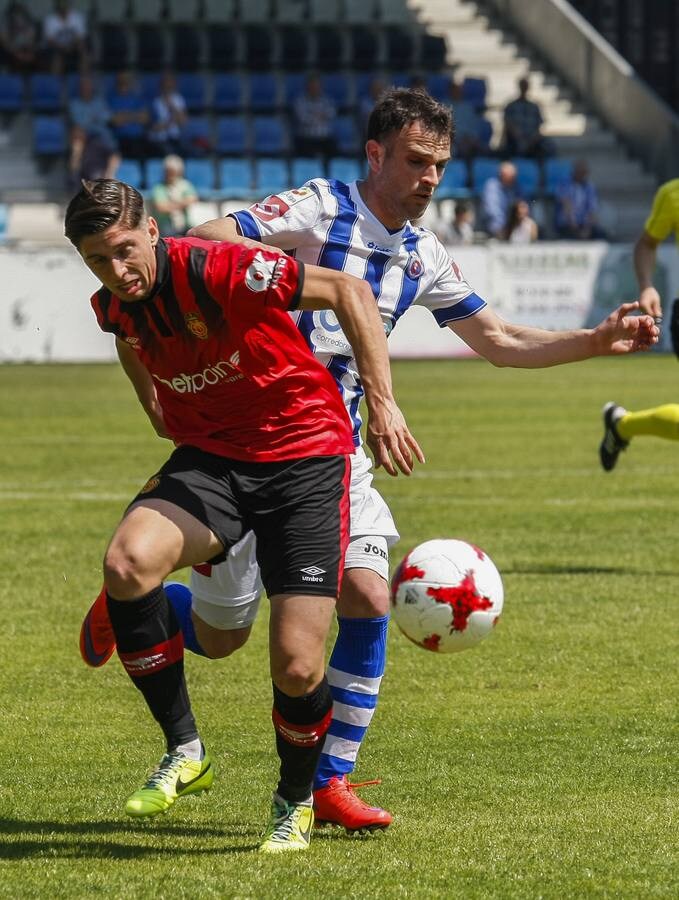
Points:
(448, 296)
(664, 217)
(280, 218)
(238, 274)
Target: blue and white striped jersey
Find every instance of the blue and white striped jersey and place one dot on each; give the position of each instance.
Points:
(326, 223)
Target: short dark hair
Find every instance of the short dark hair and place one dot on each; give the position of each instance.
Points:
(399, 107)
(98, 205)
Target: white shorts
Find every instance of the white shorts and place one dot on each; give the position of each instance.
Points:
(228, 597)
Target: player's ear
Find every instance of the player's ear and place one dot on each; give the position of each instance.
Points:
(153, 230)
(374, 152)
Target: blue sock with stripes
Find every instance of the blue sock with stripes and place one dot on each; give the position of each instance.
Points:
(354, 673)
(179, 596)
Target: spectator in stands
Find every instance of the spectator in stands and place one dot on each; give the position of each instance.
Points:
(314, 115)
(469, 140)
(461, 229)
(168, 118)
(19, 39)
(130, 116)
(93, 148)
(520, 228)
(497, 197)
(577, 207)
(172, 198)
(64, 35)
(365, 107)
(523, 127)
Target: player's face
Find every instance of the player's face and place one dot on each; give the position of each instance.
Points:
(406, 170)
(124, 259)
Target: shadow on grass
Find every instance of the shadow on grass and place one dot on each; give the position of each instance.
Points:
(549, 569)
(63, 839)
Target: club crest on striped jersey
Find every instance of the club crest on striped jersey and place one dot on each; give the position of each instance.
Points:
(415, 265)
(196, 326)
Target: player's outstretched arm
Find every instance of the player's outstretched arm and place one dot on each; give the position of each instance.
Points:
(352, 301)
(223, 229)
(143, 386)
(645, 252)
(522, 346)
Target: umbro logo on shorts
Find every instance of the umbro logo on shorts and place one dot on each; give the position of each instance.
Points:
(312, 573)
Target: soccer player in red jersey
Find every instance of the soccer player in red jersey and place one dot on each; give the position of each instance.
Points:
(262, 443)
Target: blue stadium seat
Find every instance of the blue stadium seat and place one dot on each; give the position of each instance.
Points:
(45, 93)
(11, 93)
(485, 132)
(232, 136)
(130, 171)
(198, 135)
(235, 179)
(263, 92)
(345, 133)
(454, 181)
(269, 136)
(49, 135)
(483, 168)
(294, 86)
(303, 169)
(439, 87)
(229, 94)
(271, 177)
(201, 174)
(557, 173)
(474, 90)
(150, 85)
(339, 88)
(527, 176)
(344, 169)
(193, 88)
(153, 172)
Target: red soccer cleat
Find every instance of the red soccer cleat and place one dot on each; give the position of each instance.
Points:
(97, 641)
(336, 803)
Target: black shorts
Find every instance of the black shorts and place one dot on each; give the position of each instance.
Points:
(298, 510)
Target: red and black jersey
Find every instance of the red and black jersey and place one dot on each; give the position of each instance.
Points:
(233, 374)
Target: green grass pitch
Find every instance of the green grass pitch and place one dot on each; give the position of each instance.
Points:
(542, 763)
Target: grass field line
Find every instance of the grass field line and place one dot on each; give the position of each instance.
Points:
(67, 495)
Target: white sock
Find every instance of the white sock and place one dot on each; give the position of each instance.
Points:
(192, 750)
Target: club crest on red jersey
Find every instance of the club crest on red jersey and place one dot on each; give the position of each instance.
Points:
(260, 273)
(196, 326)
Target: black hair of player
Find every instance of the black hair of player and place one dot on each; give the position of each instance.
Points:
(100, 204)
(398, 108)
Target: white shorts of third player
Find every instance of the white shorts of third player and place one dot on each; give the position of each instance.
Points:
(229, 596)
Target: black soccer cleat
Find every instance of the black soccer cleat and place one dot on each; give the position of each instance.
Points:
(612, 443)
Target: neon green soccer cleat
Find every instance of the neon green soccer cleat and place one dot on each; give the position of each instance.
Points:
(176, 776)
(289, 828)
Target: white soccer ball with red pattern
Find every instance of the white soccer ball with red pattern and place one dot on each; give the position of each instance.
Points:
(446, 595)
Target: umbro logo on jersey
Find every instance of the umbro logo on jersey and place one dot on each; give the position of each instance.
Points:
(312, 573)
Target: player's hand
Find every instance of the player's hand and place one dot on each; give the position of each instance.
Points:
(649, 302)
(621, 332)
(390, 441)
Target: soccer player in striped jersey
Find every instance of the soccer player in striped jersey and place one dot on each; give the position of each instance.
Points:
(366, 229)
(262, 443)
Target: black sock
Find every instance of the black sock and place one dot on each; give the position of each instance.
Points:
(300, 724)
(151, 649)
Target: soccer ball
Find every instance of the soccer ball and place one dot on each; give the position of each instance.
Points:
(446, 595)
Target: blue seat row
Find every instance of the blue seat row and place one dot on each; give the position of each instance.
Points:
(466, 180)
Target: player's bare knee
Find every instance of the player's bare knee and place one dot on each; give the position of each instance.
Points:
(296, 679)
(125, 576)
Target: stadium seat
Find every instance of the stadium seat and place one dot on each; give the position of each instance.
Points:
(344, 169)
(151, 52)
(49, 136)
(193, 88)
(148, 10)
(198, 135)
(232, 136)
(271, 177)
(294, 43)
(256, 11)
(304, 169)
(474, 90)
(327, 12)
(293, 86)
(258, 47)
(360, 12)
(485, 132)
(339, 88)
(45, 93)
(149, 83)
(264, 91)
(400, 47)
(291, 11)
(527, 176)
(395, 12)
(483, 168)
(330, 47)
(432, 52)
(557, 173)
(229, 93)
(201, 174)
(364, 49)
(439, 87)
(223, 47)
(454, 181)
(235, 178)
(111, 11)
(11, 93)
(400, 79)
(187, 48)
(130, 171)
(269, 136)
(113, 47)
(345, 133)
(153, 172)
(219, 10)
(184, 11)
